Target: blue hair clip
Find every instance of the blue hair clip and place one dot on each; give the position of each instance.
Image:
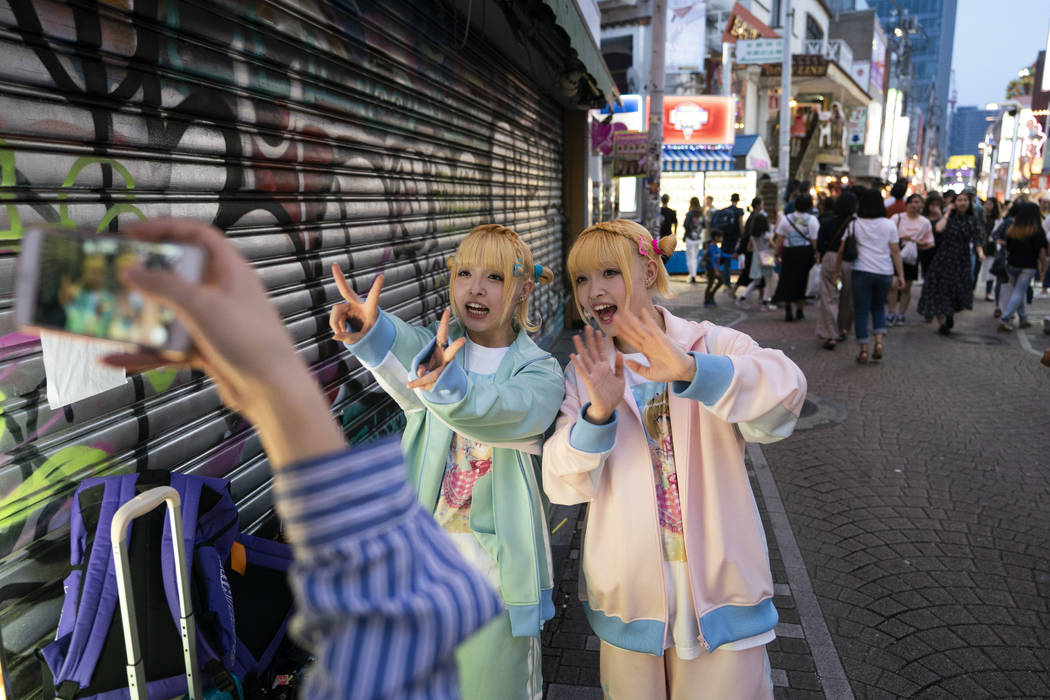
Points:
(537, 272)
(519, 268)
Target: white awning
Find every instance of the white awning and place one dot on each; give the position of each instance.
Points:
(677, 159)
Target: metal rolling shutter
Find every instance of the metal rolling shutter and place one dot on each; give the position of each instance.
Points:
(314, 133)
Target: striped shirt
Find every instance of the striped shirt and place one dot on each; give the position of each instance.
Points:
(383, 598)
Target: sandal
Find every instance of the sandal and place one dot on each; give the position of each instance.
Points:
(829, 344)
(877, 354)
(862, 357)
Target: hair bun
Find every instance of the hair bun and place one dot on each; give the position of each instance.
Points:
(667, 245)
(546, 276)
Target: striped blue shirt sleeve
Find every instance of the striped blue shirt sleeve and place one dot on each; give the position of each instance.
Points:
(383, 598)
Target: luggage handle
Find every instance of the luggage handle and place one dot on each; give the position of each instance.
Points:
(135, 508)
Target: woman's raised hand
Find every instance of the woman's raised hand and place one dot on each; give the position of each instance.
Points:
(359, 315)
(428, 372)
(667, 361)
(605, 384)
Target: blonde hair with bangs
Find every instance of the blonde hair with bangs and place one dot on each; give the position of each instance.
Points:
(496, 247)
(617, 244)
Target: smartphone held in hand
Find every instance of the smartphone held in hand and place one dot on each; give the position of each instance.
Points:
(69, 281)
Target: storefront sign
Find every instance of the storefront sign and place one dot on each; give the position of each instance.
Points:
(802, 66)
(686, 29)
(861, 73)
(698, 119)
(626, 116)
(858, 129)
(744, 25)
(961, 162)
(878, 65)
(629, 153)
(750, 51)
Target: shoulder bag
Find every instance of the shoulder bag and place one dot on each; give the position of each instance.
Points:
(849, 248)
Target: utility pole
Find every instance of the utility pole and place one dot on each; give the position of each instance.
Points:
(655, 140)
(784, 157)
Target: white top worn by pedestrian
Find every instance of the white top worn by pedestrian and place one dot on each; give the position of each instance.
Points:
(873, 245)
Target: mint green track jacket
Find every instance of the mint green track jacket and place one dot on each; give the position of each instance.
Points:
(507, 513)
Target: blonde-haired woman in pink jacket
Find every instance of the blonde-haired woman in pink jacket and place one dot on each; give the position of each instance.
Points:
(675, 577)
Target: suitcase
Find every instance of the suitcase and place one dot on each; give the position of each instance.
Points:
(135, 508)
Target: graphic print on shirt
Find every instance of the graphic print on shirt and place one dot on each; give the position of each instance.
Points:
(651, 399)
(467, 462)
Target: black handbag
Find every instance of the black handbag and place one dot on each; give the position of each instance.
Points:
(849, 247)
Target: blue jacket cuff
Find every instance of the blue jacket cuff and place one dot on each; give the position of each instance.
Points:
(451, 385)
(714, 374)
(376, 343)
(588, 437)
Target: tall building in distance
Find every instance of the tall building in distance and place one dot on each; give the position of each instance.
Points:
(931, 45)
(969, 125)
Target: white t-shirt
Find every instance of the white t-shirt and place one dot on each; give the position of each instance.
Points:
(683, 628)
(467, 462)
(873, 244)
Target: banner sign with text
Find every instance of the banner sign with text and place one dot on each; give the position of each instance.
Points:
(629, 153)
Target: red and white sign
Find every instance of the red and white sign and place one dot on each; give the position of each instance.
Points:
(697, 119)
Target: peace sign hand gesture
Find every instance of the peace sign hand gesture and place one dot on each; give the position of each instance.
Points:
(604, 384)
(667, 361)
(429, 371)
(360, 315)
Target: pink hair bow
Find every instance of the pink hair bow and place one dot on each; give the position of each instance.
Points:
(643, 248)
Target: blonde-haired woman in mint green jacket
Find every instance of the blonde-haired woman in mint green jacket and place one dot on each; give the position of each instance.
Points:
(478, 396)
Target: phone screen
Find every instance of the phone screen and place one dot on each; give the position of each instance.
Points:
(79, 288)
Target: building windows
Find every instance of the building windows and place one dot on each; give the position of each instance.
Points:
(813, 29)
(774, 17)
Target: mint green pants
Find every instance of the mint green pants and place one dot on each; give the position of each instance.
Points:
(495, 664)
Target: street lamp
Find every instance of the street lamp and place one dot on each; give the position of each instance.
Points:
(1013, 108)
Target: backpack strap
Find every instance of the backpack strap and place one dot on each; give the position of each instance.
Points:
(98, 594)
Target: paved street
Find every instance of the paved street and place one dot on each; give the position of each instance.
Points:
(906, 517)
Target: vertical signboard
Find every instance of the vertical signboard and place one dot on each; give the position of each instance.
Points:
(686, 31)
(877, 73)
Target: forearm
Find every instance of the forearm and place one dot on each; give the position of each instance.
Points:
(294, 419)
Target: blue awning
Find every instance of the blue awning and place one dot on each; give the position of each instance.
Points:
(691, 159)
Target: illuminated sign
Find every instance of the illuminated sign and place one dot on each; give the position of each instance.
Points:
(698, 119)
(962, 162)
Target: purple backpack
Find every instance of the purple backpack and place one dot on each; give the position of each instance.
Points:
(87, 658)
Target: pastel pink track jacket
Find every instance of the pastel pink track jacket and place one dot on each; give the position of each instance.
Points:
(742, 393)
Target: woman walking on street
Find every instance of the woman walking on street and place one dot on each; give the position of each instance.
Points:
(876, 270)
(692, 230)
(1026, 254)
(829, 238)
(797, 243)
(912, 228)
(948, 288)
(759, 273)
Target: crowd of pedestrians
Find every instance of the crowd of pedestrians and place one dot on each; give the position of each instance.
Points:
(869, 252)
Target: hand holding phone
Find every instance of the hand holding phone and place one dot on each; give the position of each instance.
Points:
(70, 281)
(240, 340)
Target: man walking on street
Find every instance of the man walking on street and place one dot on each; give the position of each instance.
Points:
(730, 223)
(668, 218)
